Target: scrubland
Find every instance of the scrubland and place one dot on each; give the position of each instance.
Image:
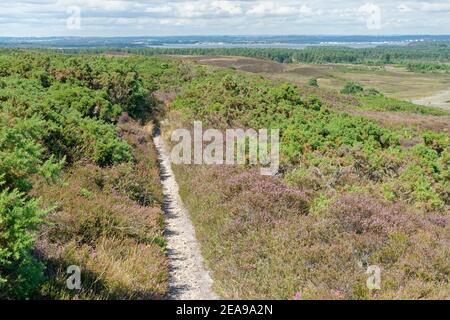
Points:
(351, 193)
(395, 81)
(364, 180)
(79, 177)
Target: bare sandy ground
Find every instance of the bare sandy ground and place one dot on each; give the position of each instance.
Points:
(440, 100)
(189, 279)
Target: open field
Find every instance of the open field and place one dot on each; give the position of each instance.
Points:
(395, 82)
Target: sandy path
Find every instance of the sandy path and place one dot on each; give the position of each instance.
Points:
(189, 279)
(440, 100)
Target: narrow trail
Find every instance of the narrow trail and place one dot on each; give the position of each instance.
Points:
(189, 279)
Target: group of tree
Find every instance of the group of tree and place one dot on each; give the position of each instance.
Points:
(380, 55)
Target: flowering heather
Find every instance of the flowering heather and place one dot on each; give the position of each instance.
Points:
(361, 213)
(260, 232)
(109, 222)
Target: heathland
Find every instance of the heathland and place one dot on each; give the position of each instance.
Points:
(364, 177)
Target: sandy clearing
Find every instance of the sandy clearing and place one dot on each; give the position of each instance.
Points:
(440, 100)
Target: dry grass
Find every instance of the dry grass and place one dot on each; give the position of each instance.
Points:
(108, 222)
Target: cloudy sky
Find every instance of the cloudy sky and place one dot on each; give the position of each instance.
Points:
(200, 17)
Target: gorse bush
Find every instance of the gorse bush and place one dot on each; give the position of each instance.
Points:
(20, 272)
(54, 111)
(21, 153)
(352, 88)
(21, 156)
(108, 221)
(334, 149)
(88, 102)
(101, 82)
(313, 82)
(66, 128)
(305, 123)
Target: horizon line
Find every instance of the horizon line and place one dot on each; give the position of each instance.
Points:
(237, 35)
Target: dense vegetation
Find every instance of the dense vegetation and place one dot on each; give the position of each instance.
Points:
(79, 182)
(57, 112)
(313, 134)
(352, 194)
(107, 221)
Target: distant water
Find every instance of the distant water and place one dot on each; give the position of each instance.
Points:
(293, 42)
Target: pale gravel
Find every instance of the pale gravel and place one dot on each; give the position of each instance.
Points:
(189, 279)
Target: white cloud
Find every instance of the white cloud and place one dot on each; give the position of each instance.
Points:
(306, 10)
(160, 9)
(123, 21)
(103, 5)
(270, 8)
(229, 7)
(439, 6)
(175, 22)
(404, 8)
(130, 17)
(369, 8)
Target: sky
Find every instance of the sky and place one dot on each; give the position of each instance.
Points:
(24, 18)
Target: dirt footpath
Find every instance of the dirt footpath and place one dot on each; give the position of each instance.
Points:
(189, 279)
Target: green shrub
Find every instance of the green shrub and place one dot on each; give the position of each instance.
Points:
(352, 88)
(313, 82)
(21, 154)
(372, 92)
(436, 141)
(54, 110)
(110, 152)
(20, 272)
(325, 141)
(382, 103)
(90, 103)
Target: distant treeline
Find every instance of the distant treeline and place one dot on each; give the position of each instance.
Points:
(378, 55)
(428, 67)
